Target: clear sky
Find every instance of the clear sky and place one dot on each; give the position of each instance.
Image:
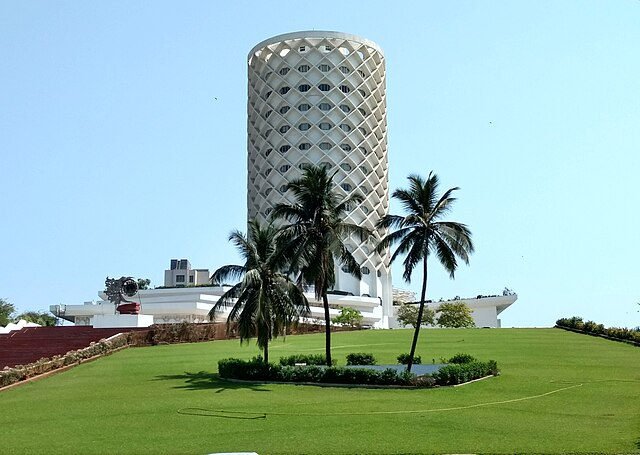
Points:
(123, 140)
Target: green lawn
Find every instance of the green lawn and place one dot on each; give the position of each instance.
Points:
(559, 392)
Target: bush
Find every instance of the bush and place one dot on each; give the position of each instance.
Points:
(289, 373)
(348, 316)
(591, 328)
(309, 359)
(256, 370)
(404, 359)
(455, 315)
(408, 315)
(461, 358)
(360, 358)
(459, 373)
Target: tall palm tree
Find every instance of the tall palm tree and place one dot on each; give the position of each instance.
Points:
(420, 233)
(265, 302)
(314, 232)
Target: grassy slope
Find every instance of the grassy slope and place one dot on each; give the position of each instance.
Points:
(128, 402)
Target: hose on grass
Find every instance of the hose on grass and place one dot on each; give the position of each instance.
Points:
(204, 412)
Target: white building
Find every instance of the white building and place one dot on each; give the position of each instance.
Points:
(192, 304)
(319, 98)
(313, 98)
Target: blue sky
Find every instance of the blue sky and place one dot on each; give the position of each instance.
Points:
(123, 140)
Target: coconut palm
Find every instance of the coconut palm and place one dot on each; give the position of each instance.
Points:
(265, 302)
(420, 233)
(314, 231)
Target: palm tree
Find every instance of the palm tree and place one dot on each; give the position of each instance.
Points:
(265, 302)
(314, 232)
(420, 233)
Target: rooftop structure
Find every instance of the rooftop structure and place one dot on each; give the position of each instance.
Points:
(180, 273)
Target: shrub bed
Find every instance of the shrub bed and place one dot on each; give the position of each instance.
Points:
(623, 334)
(256, 370)
(459, 373)
(309, 359)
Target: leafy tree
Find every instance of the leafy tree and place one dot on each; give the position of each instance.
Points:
(38, 317)
(265, 302)
(314, 233)
(349, 316)
(420, 233)
(455, 315)
(143, 283)
(6, 312)
(408, 315)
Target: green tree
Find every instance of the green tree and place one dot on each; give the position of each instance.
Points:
(38, 317)
(143, 283)
(420, 233)
(314, 231)
(265, 302)
(455, 315)
(6, 312)
(349, 316)
(408, 315)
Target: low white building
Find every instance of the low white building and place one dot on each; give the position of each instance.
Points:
(192, 304)
(184, 298)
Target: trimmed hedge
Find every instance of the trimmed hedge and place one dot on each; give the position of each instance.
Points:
(591, 328)
(459, 373)
(360, 358)
(256, 370)
(309, 359)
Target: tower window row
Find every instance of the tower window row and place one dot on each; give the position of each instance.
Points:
(322, 146)
(322, 87)
(322, 67)
(324, 106)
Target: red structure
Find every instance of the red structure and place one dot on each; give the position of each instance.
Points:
(30, 344)
(129, 308)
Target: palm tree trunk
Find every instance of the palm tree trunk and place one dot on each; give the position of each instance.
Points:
(420, 312)
(266, 353)
(327, 328)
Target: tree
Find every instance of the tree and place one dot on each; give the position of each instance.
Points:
(408, 315)
(6, 312)
(314, 234)
(38, 317)
(143, 283)
(455, 315)
(420, 234)
(349, 316)
(265, 302)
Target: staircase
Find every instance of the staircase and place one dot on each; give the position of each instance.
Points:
(30, 344)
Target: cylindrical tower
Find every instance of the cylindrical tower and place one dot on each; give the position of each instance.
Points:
(319, 98)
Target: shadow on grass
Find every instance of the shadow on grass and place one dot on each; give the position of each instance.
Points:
(203, 380)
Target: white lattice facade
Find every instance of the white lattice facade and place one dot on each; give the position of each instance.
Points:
(319, 98)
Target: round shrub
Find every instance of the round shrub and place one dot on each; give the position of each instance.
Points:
(360, 358)
(404, 359)
(462, 358)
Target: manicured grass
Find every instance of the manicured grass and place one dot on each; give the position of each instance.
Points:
(559, 392)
